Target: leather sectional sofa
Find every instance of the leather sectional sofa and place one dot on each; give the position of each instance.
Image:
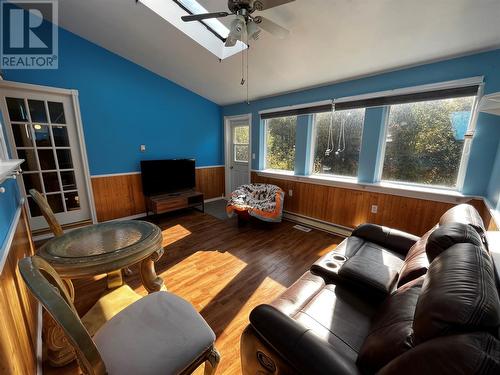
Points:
(386, 302)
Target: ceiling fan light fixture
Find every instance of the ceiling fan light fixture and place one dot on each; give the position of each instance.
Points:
(253, 30)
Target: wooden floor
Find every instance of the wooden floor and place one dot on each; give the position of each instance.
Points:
(224, 271)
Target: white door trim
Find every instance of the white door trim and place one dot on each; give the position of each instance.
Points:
(227, 148)
(85, 161)
(79, 128)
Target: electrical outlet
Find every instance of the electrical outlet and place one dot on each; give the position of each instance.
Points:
(290, 193)
(374, 208)
(143, 148)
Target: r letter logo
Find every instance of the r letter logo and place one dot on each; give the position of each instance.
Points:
(29, 34)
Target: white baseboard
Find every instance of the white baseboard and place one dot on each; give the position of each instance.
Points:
(324, 226)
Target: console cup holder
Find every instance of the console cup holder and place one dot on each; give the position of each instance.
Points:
(339, 258)
(332, 265)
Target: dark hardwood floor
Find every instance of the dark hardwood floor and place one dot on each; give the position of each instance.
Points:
(223, 270)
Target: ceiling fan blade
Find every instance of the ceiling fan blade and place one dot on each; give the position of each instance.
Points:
(271, 27)
(204, 16)
(266, 4)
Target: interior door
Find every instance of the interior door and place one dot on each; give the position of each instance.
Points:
(42, 131)
(240, 153)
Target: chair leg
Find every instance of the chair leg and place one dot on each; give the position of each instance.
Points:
(212, 361)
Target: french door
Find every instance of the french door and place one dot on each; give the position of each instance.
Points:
(42, 130)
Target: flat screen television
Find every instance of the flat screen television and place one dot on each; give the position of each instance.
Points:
(167, 176)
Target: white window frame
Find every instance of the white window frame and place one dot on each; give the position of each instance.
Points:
(4, 155)
(265, 149)
(464, 160)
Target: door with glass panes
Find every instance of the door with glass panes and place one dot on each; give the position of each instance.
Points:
(42, 131)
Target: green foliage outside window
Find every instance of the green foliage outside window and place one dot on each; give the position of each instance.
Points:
(280, 143)
(425, 141)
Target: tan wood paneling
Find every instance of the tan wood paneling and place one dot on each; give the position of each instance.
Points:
(121, 195)
(118, 196)
(350, 208)
(210, 181)
(18, 310)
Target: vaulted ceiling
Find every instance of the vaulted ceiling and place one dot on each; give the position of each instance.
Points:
(331, 40)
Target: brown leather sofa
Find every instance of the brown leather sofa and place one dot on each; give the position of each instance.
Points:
(386, 302)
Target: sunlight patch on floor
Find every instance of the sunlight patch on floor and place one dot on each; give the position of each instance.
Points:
(174, 234)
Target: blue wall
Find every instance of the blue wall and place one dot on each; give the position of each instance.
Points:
(124, 105)
(484, 145)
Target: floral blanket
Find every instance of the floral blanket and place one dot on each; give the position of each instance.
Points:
(262, 201)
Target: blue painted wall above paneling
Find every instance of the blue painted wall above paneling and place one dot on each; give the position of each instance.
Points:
(124, 105)
(484, 145)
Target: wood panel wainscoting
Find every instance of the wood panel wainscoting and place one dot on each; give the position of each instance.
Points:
(18, 309)
(349, 207)
(121, 195)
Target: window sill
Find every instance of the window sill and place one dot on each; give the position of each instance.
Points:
(410, 191)
(9, 168)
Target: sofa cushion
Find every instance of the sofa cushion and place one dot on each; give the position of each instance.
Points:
(416, 262)
(299, 294)
(448, 235)
(459, 294)
(389, 238)
(464, 354)
(465, 214)
(372, 266)
(391, 329)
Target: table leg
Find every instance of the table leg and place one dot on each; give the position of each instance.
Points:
(151, 281)
(114, 279)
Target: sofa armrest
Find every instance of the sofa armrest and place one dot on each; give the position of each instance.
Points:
(392, 239)
(298, 344)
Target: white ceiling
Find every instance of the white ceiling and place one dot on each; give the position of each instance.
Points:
(331, 40)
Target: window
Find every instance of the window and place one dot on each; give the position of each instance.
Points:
(213, 24)
(338, 142)
(209, 33)
(425, 141)
(280, 143)
(241, 139)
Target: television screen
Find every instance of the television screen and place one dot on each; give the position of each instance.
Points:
(167, 176)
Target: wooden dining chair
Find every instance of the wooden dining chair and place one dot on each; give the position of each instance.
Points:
(158, 334)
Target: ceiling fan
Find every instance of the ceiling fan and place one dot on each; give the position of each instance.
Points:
(246, 25)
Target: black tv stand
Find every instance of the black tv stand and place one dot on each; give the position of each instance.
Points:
(162, 203)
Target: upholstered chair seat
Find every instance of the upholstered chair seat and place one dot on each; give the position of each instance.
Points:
(159, 334)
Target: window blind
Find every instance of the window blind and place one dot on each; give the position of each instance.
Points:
(380, 101)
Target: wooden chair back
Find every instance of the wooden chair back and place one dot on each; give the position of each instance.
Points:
(36, 273)
(47, 212)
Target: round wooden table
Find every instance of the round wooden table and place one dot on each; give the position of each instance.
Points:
(104, 248)
(107, 248)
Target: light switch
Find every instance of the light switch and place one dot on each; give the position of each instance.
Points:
(143, 148)
(253, 156)
(290, 193)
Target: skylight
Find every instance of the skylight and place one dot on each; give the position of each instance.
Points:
(210, 34)
(196, 8)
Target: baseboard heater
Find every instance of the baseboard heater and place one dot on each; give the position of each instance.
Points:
(318, 224)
